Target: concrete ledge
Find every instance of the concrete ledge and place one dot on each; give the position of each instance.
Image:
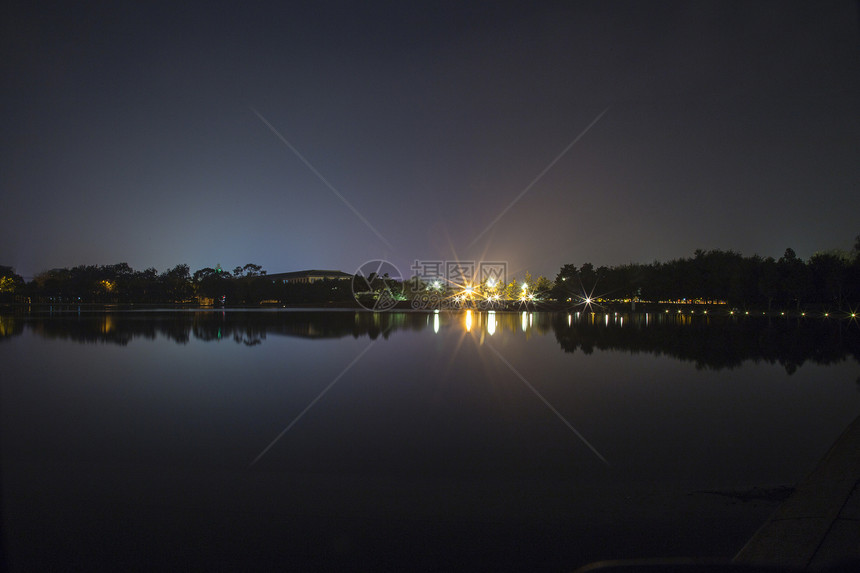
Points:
(819, 524)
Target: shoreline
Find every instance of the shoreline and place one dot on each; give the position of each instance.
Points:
(626, 308)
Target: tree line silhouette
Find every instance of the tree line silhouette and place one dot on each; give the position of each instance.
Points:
(120, 283)
(829, 279)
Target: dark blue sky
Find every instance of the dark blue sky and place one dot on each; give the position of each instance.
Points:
(129, 133)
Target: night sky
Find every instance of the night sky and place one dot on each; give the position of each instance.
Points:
(324, 134)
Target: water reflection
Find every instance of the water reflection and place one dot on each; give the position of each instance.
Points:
(437, 436)
(713, 342)
(709, 341)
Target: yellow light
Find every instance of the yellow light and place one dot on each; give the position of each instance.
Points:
(525, 286)
(468, 321)
(491, 283)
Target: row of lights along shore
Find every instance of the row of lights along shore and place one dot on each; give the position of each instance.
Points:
(772, 313)
(470, 291)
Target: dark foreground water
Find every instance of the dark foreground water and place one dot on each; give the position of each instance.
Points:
(406, 441)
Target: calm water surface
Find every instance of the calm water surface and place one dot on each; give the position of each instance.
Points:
(409, 441)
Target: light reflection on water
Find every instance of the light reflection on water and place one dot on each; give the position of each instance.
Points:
(426, 433)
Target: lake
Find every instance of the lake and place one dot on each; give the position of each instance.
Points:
(312, 440)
